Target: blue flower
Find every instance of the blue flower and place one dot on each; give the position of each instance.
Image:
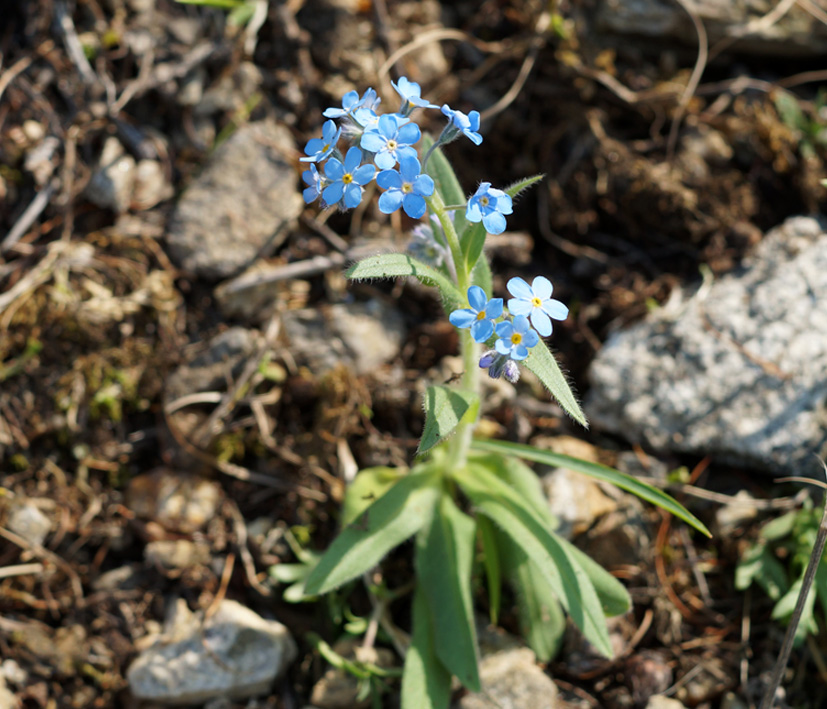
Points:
(500, 365)
(318, 149)
(460, 123)
(410, 92)
(390, 140)
(351, 101)
(315, 182)
(425, 245)
(535, 301)
(346, 179)
(515, 338)
(480, 316)
(406, 188)
(489, 205)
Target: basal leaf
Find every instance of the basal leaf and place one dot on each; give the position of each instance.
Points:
(569, 583)
(542, 363)
(493, 567)
(401, 512)
(368, 485)
(759, 565)
(426, 684)
(481, 275)
(444, 409)
(542, 622)
(783, 610)
(595, 470)
(446, 181)
(395, 265)
(444, 555)
(614, 598)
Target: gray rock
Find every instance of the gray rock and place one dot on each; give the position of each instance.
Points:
(234, 654)
(362, 336)
(510, 677)
(795, 34)
(738, 370)
(29, 522)
(113, 181)
(247, 193)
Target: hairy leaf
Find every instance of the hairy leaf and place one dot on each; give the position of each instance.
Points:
(444, 409)
(446, 181)
(444, 555)
(542, 363)
(401, 512)
(598, 471)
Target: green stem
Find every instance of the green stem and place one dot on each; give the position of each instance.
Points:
(460, 443)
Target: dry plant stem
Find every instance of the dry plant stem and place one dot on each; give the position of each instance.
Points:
(768, 699)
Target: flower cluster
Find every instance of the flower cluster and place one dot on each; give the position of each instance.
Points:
(384, 147)
(530, 312)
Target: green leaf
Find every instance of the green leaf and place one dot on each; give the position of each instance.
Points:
(444, 555)
(570, 584)
(542, 363)
(542, 622)
(444, 409)
(789, 110)
(522, 185)
(779, 527)
(395, 265)
(760, 565)
(493, 569)
(446, 181)
(401, 512)
(472, 242)
(786, 605)
(368, 485)
(426, 684)
(614, 598)
(481, 275)
(518, 476)
(595, 470)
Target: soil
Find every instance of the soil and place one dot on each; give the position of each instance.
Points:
(644, 189)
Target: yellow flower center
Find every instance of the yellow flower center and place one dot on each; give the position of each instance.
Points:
(484, 201)
(481, 315)
(516, 338)
(536, 302)
(407, 187)
(392, 145)
(347, 178)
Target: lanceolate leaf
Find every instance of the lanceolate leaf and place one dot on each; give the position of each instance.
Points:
(570, 584)
(542, 363)
(444, 408)
(614, 598)
(522, 185)
(472, 242)
(595, 470)
(398, 514)
(481, 275)
(367, 487)
(542, 622)
(444, 554)
(426, 684)
(394, 265)
(446, 181)
(493, 566)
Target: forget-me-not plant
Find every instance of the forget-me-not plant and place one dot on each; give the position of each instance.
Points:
(462, 495)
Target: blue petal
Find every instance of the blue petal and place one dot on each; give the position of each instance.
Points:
(504, 204)
(384, 160)
(542, 287)
(541, 321)
(409, 134)
(352, 159)
(503, 347)
(477, 298)
(310, 194)
(504, 329)
(518, 306)
(519, 289)
(462, 318)
(494, 308)
(424, 185)
(388, 125)
(409, 166)
(482, 330)
(390, 201)
(334, 169)
(555, 309)
(353, 195)
(333, 193)
(473, 213)
(372, 141)
(531, 338)
(494, 223)
(389, 180)
(521, 324)
(414, 206)
(364, 174)
(519, 352)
